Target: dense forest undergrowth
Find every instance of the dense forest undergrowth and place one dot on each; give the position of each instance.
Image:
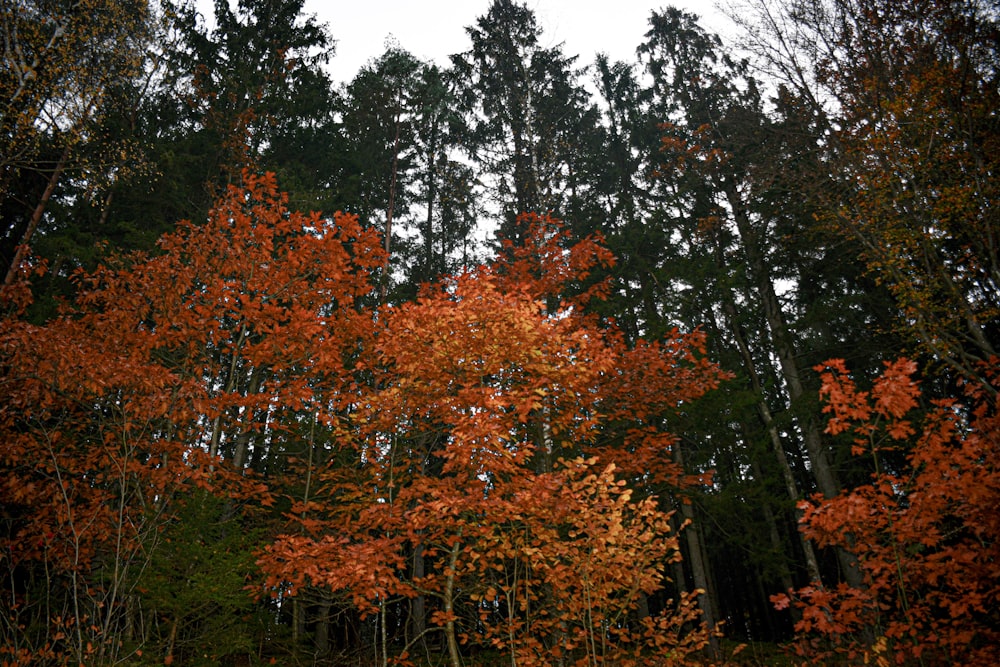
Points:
(521, 360)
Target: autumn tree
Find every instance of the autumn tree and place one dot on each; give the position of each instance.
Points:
(569, 569)
(476, 457)
(151, 400)
(924, 528)
(483, 397)
(910, 93)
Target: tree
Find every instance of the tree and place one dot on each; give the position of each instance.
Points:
(721, 270)
(525, 105)
(400, 133)
(573, 564)
(244, 90)
(445, 186)
(378, 132)
(163, 143)
(62, 60)
(910, 91)
(170, 376)
(924, 530)
(251, 77)
(481, 394)
(621, 165)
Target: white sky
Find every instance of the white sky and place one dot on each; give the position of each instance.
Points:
(434, 29)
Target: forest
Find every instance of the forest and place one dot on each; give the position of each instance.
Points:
(530, 358)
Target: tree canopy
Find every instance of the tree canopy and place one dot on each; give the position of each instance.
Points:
(530, 357)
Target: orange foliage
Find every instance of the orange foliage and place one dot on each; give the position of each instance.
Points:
(129, 399)
(566, 569)
(464, 427)
(915, 85)
(925, 534)
(473, 446)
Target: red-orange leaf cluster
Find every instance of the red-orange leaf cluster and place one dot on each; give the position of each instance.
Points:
(925, 534)
(485, 394)
(159, 380)
(461, 436)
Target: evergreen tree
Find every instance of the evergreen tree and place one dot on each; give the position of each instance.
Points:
(525, 105)
(400, 135)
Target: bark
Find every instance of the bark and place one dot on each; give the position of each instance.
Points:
(449, 607)
(775, 537)
(699, 566)
(390, 208)
(298, 620)
(431, 183)
(418, 605)
(699, 571)
(242, 446)
(213, 448)
(821, 468)
(323, 626)
(171, 641)
(36, 218)
(791, 488)
(642, 606)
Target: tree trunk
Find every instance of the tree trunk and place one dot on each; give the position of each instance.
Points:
(642, 606)
(323, 625)
(418, 605)
(775, 537)
(298, 620)
(390, 209)
(791, 488)
(449, 606)
(242, 446)
(821, 468)
(680, 579)
(699, 570)
(430, 266)
(699, 566)
(171, 640)
(36, 218)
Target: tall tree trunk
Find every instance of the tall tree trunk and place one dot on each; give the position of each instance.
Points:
(822, 470)
(36, 218)
(230, 385)
(699, 566)
(791, 488)
(677, 567)
(298, 619)
(390, 209)
(449, 606)
(418, 605)
(242, 446)
(323, 624)
(699, 570)
(431, 182)
(772, 532)
(171, 641)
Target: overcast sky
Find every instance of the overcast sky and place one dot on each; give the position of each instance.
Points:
(434, 29)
